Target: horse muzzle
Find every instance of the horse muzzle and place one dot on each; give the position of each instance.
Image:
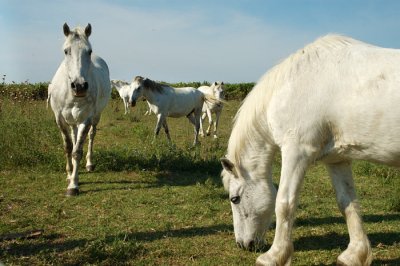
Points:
(133, 103)
(251, 245)
(80, 89)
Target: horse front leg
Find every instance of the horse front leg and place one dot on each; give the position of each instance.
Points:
(89, 163)
(77, 153)
(68, 146)
(160, 122)
(358, 251)
(294, 164)
(165, 125)
(126, 105)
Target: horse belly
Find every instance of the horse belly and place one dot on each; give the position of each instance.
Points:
(371, 136)
(184, 108)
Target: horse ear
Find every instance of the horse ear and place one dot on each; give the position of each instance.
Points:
(222, 83)
(66, 29)
(228, 165)
(88, 30)
(215, 83)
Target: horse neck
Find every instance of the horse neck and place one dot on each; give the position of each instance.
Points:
(251, 147)
(256, 161)
(150, 95)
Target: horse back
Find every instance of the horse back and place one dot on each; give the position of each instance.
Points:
(345, 106)
(182, 101)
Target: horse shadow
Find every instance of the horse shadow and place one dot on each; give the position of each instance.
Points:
(172, 160)
(181, 170)
(57, 243)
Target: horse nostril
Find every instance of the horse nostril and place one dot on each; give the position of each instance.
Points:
(73, 85)
(251, 245)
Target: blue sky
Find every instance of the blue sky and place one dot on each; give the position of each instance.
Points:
(202, 40)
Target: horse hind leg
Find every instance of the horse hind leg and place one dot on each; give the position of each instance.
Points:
(358, 251)
(210, 121)
(194, 118)
(201, 131)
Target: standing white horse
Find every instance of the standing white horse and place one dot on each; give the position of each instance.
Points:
(166, 101)
(124, 92)
(216, 89)
(333, 101)
(79, 92)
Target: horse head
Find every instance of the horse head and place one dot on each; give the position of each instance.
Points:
(252, 204)
(136, 87)
(78, 51)
(218, 90)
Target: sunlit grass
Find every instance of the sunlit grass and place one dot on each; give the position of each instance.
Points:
(159, 203)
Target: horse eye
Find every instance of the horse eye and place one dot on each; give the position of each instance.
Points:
(235, 200)
(65, 51)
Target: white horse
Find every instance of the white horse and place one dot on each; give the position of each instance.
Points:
(125, 91)
(166, 101)
(333, 101)
(216, 89)
(78, 93)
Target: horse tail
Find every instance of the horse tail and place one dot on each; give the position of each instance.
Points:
(48, 101)
(210, 99)
(48, 96)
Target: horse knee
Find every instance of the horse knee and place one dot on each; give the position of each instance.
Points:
(77, 155)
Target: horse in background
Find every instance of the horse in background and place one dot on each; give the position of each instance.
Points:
(217, 90)
(125, 92)
(78, 93)
(335, 101)
(166, 101)
(123, 89)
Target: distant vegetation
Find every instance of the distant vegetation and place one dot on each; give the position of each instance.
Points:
(38, 91)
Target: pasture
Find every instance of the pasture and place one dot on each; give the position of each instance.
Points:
(154, 203)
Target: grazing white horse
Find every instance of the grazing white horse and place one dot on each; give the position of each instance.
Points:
(334, 101)
(166, 101)
(216, 89)
(79, 91)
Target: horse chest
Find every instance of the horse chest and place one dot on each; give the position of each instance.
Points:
(76, 114)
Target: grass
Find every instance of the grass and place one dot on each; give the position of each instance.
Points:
(155, 203)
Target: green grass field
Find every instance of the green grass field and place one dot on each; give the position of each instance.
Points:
(158, 204)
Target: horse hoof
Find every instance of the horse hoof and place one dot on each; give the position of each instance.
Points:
(71, 192)
(90, 168)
